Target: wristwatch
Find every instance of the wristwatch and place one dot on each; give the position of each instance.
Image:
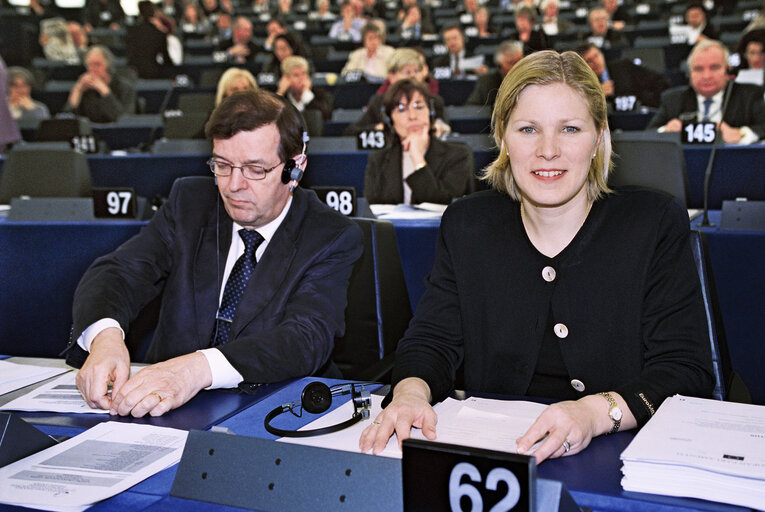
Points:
(614, 412)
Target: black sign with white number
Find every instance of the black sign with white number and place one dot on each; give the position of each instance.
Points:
(354, 76)
(440, 476)
(342, 199)
(699, 133)
(115, 203)
(85, 143)
(625, 103)
(371, 139)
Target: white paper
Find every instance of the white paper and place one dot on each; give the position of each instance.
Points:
(58, 395)
(405, 211)
(16, 376)
(476, 422)
(700, 448)
(750, 76)
(97, 464)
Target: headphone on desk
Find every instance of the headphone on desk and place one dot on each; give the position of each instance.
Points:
(316, 399)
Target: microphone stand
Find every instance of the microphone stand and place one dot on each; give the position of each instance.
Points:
(708, 173)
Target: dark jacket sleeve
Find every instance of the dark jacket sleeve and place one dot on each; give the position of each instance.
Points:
(668, 109)
(449, 167)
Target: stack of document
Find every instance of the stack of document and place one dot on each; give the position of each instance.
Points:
(702, 449)
(16, 376)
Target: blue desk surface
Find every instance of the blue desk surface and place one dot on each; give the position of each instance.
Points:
(592, 477)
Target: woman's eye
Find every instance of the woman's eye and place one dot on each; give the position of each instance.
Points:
(527, 129)
(570, 129)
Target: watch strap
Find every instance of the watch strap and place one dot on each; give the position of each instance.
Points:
(611, 406)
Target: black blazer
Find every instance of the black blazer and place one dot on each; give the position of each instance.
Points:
(626, 287)
(745, 108)
(145, 43)
(290, 313)
(449, 167)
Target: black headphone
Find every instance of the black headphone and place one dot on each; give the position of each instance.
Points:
(316, 399)
(292, 170)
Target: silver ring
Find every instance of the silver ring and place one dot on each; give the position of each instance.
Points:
(566, 445)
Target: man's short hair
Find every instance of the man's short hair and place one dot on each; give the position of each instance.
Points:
(704, 45)
(15, 72)
(373, 27)
(292, 62)
(249, 110)
(106, 52)
(509, 47)
(453, 26)
(583, 48)
(403, 57)
(526, 12)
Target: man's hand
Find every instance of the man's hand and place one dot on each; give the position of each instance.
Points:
(730, 134)
(674, 125)
(109, 361)
(161, 387)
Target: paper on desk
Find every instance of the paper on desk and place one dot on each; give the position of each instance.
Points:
(16, 376)
(701, 448)
(97, 464)
(406, 211)
(476, 422)
(58, 395)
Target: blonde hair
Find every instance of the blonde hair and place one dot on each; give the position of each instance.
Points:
(230, 76)
(403, 57)
(292, 62)
(545, 68)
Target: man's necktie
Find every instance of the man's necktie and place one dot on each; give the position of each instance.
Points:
(457, 70)
(707, 105)
(237, 282)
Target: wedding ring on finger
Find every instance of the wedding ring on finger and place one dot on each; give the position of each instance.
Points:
(160, 397)
(566, 445)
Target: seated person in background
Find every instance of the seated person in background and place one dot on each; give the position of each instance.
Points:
(422, 75)
(146, 43)
(482, 23)
(372, 58)
(373, 9)
(751, 51)
(702, 100)
(103, 14)
(413, 26)
(193, 21)
(79, 38)
(23, 107)
(618, 16)
(223, 28)
(274, 28)
(99, 94)
(348, 27)
(458, 59)
(600, 34)
(9, 131)
(322, 12)
(271, 307)
(624, 78)
(533, 38)
(552, 24)
(295, 85)
(697, 20)
(240, 48)
(416, 168)
(551, 285)
(506, 55)
(234, 80)
(404, 63)
(285, 45)
(56, 41)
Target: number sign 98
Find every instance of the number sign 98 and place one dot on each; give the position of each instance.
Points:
(342, 201)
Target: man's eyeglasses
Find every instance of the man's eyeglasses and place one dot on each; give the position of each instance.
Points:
(249, 171)
(417, 106)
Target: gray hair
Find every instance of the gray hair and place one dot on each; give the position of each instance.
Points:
(509, 47)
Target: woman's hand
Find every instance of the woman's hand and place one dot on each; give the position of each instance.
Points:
(410, 408)
(570, 426)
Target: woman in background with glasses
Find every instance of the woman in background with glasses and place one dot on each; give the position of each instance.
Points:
(417, 167)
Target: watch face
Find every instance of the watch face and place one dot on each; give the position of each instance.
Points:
(616, 414)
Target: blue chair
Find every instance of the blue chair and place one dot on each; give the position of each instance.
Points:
(728, 383)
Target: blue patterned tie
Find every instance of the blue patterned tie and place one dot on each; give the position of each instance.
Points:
(237, 282)
(707, 105)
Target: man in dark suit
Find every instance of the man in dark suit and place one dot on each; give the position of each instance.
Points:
(600, 34)
(624, 79)
(147, 44)
(240, 49)
(505, 56)
(253, 274)
(744, 118)
(455, 57)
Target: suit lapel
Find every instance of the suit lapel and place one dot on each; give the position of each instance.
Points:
(209, 265)
(272, 268)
